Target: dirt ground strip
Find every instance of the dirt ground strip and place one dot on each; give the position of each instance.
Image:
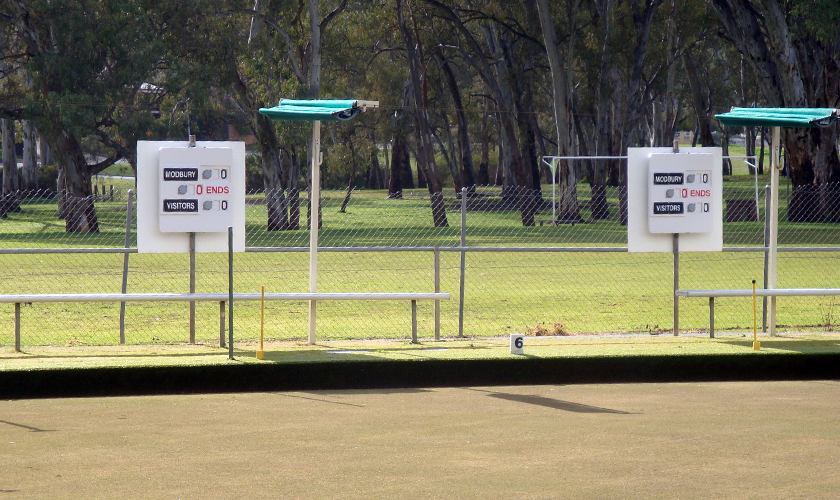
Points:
(699, 440)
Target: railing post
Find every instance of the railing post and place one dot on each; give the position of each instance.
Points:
(676, 283)
(414, 322)
(17, 326)
(437, 290)
(463, 261)
(711, 317)
(222, 323)
(192, 287)
(128, 216)
(230, 290)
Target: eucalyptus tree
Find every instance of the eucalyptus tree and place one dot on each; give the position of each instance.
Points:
(88, 62)
(561, 62)
(282, 57)
(492, 39)
(794, 49)
(416, 59)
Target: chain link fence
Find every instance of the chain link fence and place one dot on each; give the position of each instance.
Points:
(575, 277)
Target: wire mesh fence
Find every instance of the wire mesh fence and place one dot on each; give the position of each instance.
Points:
(546, 277)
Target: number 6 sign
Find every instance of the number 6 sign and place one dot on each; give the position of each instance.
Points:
(517, 343)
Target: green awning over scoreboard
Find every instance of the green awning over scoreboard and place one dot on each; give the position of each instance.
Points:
(779, 117)
(317, 109)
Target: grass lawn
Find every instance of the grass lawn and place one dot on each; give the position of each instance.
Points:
(584, 292)
(80, 356)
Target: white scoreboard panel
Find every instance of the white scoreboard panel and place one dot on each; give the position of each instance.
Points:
(195, 190)
(183, 190)
(674, 193)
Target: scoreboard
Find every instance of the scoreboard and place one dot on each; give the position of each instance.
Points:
(674, 193)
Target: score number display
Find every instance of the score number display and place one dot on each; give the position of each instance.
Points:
(195, 189)
(680, 193)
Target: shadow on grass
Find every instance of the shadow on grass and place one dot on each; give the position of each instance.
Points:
(800, 346)
(398, 390)
(556, 404)
(21, 426)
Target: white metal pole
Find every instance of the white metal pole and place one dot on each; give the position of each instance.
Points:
(314, 211)
(774, 225)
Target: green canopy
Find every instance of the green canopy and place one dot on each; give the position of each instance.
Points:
(310, 110)
(779, 117)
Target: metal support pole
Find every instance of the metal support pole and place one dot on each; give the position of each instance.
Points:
(766, 255)
(128, 216)
(230, 291)
(192, 287)
(437, 290)
(774, 226)
(314, 210)
(711, 317)
(17, 326)
(554, 194)
(676, 284)
(222, 323)
(463, 261)
(414, 322)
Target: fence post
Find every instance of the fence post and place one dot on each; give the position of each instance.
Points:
(766, 256)
(676, 283)
(437, 290)
(463, 260)
(192, 287)
(17, 326)
(230, 291)
(222, 323)
(128, 216)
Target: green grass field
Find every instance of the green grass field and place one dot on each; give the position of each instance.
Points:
(584, 292)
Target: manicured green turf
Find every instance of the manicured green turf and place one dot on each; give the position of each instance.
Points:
(81, 356)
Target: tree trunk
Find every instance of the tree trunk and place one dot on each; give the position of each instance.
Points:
(749, 135)
(46, 155)
(273, 175)
(11, 176)
(400, 168)
(761, 152)
(425, 152)
(449, 155)
(518, 184)
(701, 104)
(293, 181)
(484, 132)
(61, 189)
(724, 146)
(465, 151)
(79, 210)
(29, 179)
(566, 178)
(813, 176)
(350, 186)
(373, 179)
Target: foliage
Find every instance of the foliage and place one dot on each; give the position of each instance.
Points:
(109, 73)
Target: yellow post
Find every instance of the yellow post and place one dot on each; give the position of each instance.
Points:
(261, 353)
(756, 343)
